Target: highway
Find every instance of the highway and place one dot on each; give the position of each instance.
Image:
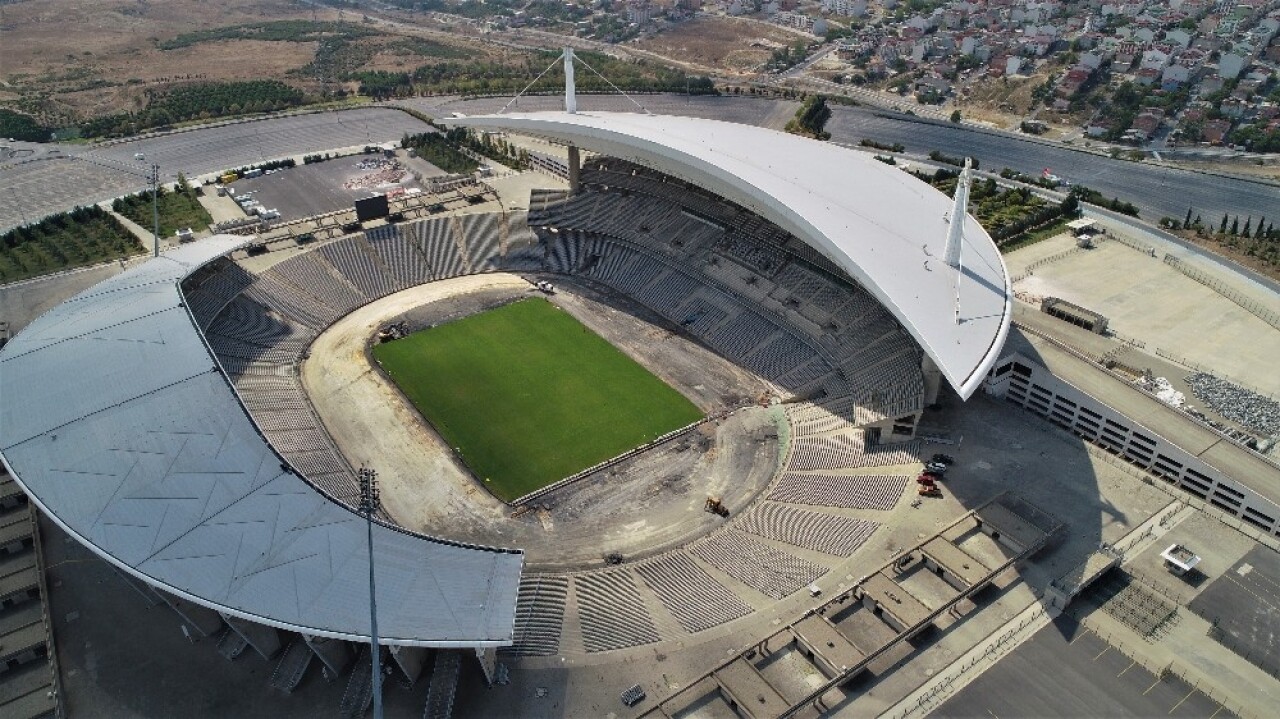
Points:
(37, 188)
(1157, 191)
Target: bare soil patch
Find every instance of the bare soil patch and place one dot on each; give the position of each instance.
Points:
(727, 43)
(54, 36)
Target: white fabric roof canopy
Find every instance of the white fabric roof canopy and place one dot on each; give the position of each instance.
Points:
(884, 227)
(117, 424)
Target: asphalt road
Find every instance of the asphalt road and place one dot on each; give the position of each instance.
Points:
(1158, 191)
(84, 175)
(1067, 671)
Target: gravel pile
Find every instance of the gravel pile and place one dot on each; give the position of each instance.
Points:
(1259, 413)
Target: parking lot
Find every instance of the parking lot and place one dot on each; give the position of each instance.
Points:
(91, 174)
(1245, 604)
(1065, 670)
(308, 190)
(36, 188)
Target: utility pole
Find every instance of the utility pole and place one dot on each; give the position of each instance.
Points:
(368, 505)
(155, 208)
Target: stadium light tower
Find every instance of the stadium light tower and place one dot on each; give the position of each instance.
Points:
(368, 504)
(155, 210)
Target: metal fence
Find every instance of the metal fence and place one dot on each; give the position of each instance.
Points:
(1257, 309)
(1134, 244)
(996, 646)
(1221, 515)
(1031, 268)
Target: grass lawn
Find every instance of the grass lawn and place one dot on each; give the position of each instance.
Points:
(527, 395)
(177, 209)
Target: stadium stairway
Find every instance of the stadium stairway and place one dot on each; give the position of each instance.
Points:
(444, 684)
(26, 678)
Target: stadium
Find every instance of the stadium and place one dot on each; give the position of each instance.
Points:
(824, 303)
(710, 317)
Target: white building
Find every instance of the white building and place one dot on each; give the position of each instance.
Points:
(847, 8)
(1230, 65)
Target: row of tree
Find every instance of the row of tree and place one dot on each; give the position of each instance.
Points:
(83, 236)
(275, 31)
(22, 127)
(178, 209)
(811, 118)
(1009, 214)
(1093, 197)
(1228, 226)
(441, 150)
(198, 101)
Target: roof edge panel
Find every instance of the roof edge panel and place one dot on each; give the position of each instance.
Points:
(883, 227)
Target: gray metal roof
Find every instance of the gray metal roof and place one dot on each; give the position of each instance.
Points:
(116, 422)
(884, 227)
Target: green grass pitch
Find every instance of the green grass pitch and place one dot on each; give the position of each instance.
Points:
(527, 395)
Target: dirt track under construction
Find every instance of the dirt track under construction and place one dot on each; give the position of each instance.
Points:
(643, 505)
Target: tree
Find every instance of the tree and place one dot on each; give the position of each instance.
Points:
(1187, 222)
(1223, 227)
(955, 116)
(1247, 225)
(1235, 225)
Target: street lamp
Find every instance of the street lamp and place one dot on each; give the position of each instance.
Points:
(155, 209)
(368, 479)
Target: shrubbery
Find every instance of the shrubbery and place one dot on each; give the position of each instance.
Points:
(83, 236)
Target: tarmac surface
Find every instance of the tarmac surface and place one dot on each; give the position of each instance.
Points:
(318, 188)
(1244, 602)
(1065, 670)
(1157, 190)
(88, 174)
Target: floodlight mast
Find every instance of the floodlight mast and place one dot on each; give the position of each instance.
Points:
(155, 210)
(368, 479)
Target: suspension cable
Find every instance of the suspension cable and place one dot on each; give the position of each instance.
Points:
(531, 83)
(615, 87)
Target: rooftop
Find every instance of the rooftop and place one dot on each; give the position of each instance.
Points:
(884, 227)
(118, 424)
